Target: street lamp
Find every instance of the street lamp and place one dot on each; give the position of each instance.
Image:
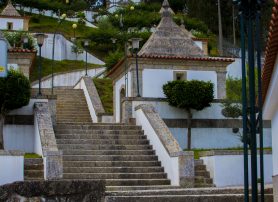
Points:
(63, 17)
(135, 46)
(40, 40)
(74, 26)
(86, 44)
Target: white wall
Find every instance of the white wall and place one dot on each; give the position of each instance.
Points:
(11, 169)
(18, 24)
(199, 44)
(67, 79)
(63, 50)
(154, 80)
(168, 112)
(274, 123)
(170, 164)
(50, 13)
(234, 69)
(214, 138)
(271, 104)
(19, 137)
(227, 170)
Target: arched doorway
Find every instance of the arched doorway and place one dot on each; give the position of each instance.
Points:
(122, 95)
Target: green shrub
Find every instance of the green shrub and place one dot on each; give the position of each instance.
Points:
(112, 59)
(15, 92)
(189, 95)
(15, 39)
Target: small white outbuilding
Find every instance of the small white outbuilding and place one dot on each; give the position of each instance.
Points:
(11, 20)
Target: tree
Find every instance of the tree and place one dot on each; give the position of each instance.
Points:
(189, 95)
(15, 92)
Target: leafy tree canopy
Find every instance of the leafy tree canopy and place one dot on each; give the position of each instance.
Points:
(189, 94)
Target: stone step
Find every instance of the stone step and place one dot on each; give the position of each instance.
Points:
(200, 168)
(172, 190)
(33, 174)
(111, 163)
(115, 175)
(138, 188)
(95, 132)
(203, 185)
(103, 147)
(32, 161)
(74, 119)
(198, 162)
(113, 169)
(183, 198)
(73, 112)
(33, 167)
(202, 180)
(100, 136)
(108, 152)
(78, 117)
(136, 182)
(97, 127)
(104, 141)
(202, 173)
(110, 158)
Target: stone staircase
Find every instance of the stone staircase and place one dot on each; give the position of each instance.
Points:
(202, 176)
(33, 169)
(72, 106)
(118, 153)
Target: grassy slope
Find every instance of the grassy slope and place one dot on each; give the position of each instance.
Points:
(59, 66)
(39, 23)
(105, 91)
(198, 151)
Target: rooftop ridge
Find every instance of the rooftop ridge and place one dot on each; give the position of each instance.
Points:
(169, 39)
(10, 10)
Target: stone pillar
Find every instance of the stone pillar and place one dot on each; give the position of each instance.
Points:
(221, 84)
(134, 82)
(275, 188)
(126, 111)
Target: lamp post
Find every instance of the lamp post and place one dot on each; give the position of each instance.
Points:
(74, 26)
(86, 44)
(250, 11)
(63, 17)
(40, 40)
(220, 29)
(135, 47)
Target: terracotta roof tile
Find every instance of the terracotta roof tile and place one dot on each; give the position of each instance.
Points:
(21, 50)
(271, 50)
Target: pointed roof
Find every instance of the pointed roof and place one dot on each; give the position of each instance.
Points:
(10, 11)
(169, 39)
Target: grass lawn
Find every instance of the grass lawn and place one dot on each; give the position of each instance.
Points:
(59, 66)
(105, 91)
(198, 151)
(39, 23)
(31, 156)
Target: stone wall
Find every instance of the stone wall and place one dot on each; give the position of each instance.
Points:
(82, 191)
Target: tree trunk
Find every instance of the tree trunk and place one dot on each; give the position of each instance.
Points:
(189, 119)
(2, 119)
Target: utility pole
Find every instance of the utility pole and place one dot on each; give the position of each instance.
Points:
(234, 27)
(220, 29)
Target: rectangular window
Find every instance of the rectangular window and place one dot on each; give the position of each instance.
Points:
(9, 26)
(180, 75)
